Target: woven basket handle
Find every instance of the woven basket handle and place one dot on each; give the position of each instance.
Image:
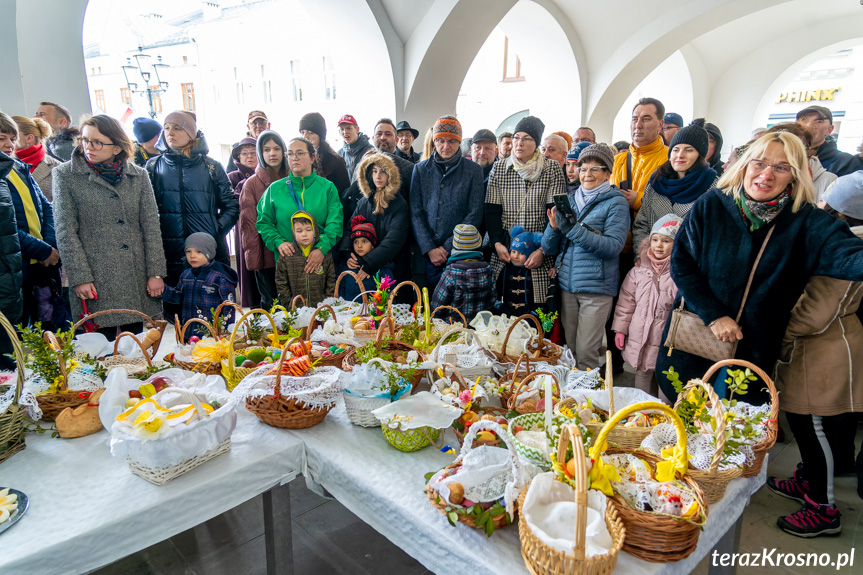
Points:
(774, 394)
(599, 443)
(182, 337)
(298, 297)
(147, 319)
(452, 331)
(386, 322)
(440, 307)
(396, 290)
(134, 338)
(359, 285)
(188, 395)
(52, 341)
(718, 413)
(539, 331)
(609, 382)
(462, 382)
(19, 356)
(470, 436)
(534, 375)
(233, 337)
(217, 313)
(571, 434)
(314, 318)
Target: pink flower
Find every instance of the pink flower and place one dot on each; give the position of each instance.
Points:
(464, 396)
(387, 283)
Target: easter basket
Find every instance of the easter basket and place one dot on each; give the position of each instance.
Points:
(174, 431)
(416, 421)
(233, 373)
(539, 349)
(760, 449)
(336, 359)
(487, 479)
(221, 326)
(207, 367)
(529, 405)
(362, 317)
(361, 400)
(152, 339)
(457, 391)
(291, 395)
(399, 351)
(13, 412)
(539, 556)
(522, 369)
(472, 360)
(132, 365)
(654, 536)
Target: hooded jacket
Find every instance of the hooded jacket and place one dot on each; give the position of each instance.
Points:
(386, 210)
(836, 162)
(257, 255)
(643, 306)
(821, 370)
(10, 248)
(193, 195)
(353, 154)
(32, 248)
(292, 280)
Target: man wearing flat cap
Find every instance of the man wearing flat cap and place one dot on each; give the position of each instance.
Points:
(819, 120)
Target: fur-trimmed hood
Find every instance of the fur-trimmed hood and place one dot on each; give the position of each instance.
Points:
(382, 200)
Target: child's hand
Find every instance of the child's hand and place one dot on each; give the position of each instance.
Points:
(363, 275)
(619, 340)
(286, 249)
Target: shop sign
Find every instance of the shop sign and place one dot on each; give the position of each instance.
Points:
(807, 95)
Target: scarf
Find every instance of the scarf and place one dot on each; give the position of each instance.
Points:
(583, 197)
(684, 190)
(463, 255)
(445, 165)
(659, 266)
(32, 155)
(530, 170)
(759, 214)
(34, 224)
(111, 172)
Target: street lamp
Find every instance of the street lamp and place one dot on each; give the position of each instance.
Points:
(145, 70)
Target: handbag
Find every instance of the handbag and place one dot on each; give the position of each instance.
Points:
(689, 334)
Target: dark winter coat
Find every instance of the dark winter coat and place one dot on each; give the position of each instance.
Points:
(439, 202)
(109, 235)
(353, 154)
(203, 289)
(836, 162)
(387, 211)
(193, 195)
(32, 248)
(413, 157)
(713, 256)
(10, 248)
(466, 286)
(142, 156)
(515, 290)
(331, 166)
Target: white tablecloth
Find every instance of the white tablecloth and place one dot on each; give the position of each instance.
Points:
(386, 489)
(87, 509)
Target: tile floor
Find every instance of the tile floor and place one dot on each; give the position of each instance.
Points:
(329, 539)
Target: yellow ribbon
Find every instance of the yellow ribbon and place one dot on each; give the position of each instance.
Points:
(211, 350)
(34, 226)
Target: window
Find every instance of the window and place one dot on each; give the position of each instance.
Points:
(100, 99)
(126, 96)
(267, 86)
(100, 69)
(188, 97)
(185, 59)
(241, 94)
(329, 79)
(157, 99)
(511, 64)
(296, 86)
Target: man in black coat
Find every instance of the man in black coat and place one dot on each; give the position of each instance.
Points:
(11, 300)
(405, 136)
(819, 120)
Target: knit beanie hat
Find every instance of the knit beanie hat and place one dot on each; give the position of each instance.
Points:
(694, 135)
(846, 195)
(466, 237)
(447, 127)
(314, 122)
(145, 129)
(204, 243)
(523, 241)
(532, 126)
(362, 228)
(599, 153)
(186, 121)
(575, 151)
(668, 225)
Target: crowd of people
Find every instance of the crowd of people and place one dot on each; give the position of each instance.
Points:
(764, 249)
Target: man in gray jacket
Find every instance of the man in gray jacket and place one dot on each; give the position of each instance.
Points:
(356, 144)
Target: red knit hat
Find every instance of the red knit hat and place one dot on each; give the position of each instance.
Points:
(362, 228)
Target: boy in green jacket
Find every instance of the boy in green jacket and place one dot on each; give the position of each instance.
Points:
(291, 277)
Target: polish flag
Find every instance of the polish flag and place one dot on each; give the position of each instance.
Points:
(129, 111)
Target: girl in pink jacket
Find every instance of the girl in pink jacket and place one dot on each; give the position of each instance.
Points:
(645, 300)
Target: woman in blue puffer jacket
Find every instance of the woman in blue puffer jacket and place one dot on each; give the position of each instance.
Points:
(588, 244)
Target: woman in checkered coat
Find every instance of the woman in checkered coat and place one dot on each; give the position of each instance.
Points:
(520, 191)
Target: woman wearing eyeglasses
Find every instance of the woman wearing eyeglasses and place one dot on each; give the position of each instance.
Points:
(763, 201)
(304, 190)
(676, 184)
(193, 194)
(108, 228)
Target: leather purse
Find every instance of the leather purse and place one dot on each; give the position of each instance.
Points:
(689, 334)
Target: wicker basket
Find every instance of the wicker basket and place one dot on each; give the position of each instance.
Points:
(52, 404)
(527, 407)
(12, 420)
(628, 437)
(217, 316)
(205, 367)
(149, 323)
(713, 481)
(162, 475)
(762, 448)
(522, 369)
(542, 559)
(360, 407)
(359, 334)
(284, 412)
(470, 373)
(411, 439)
(399, 347)
(539, 350)
(233, 374)
(336, 359)
(457, 377)
(132, 365)
(654, 537)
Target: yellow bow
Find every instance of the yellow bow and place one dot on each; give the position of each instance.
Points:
(674, 459)
(602, 474)
(211, 351)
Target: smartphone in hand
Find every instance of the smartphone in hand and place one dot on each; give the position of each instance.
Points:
(563, 205)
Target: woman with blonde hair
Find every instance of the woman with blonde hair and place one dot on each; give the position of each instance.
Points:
(428, 145)
(760, 215)
(30, 149)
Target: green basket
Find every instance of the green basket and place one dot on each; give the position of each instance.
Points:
(412, 439)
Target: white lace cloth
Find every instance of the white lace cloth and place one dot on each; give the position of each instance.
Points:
(440, 387)
(491, 330)
(319, 390)
(465, 355)
(699, 446)
(550, 511)
(578, 379)
(420, 410)
(623, 397)
(82, 378)
(27, 399)
(643, 492)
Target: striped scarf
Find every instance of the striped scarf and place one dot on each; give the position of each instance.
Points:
(111, 172)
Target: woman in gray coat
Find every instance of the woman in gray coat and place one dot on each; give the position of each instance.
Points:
(108, 228)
